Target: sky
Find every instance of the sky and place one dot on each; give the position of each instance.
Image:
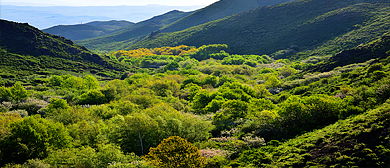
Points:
(107, 2)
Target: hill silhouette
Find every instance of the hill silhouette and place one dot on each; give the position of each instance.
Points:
(87, 30)
(121, 38)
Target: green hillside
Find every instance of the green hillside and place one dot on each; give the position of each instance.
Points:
(288, 28)
(87, 30)
(25, 50)
(374, 50)
(361, 141)
(124, 37)
(299, 84)
(218, 10)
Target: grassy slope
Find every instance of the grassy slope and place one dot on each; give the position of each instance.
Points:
(362, 140)
(27, 49)
(218, 10)
(376, 49)
(88, 30)
(269, 29)
(122, 38)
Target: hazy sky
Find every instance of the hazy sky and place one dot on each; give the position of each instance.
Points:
(107, 2)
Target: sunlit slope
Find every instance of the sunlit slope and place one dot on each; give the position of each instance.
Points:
(304, 24)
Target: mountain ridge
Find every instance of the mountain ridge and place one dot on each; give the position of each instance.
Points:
(266, 30)
(87, 30)
(132, 34)
(218, 10)
(40, 50)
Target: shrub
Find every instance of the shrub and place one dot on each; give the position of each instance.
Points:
(32, 105)
(175, 152)
(92, 97)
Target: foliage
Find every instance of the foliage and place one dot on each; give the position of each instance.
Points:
(18, 92)
(235, 108)
(351, 144)
(31, 138)
(147, 129)
(175, 152)
(93, 97)
(23, 53)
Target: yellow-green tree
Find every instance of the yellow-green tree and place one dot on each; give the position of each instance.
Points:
(175, 152)
(272, 82)
(18, 92)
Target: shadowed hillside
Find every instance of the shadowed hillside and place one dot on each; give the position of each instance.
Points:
(25, 48)
(88, 30)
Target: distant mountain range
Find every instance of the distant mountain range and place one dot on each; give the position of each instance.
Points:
(87, 30)
(217, 10)
(123, 37)
(283, 29)
(44, 17)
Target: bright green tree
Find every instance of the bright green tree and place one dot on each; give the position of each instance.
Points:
(32, 137)
(5, 93)
(175, 152)
(90, 82)
(56, 103)
(92, 97)
(18, 92)
(272, 82)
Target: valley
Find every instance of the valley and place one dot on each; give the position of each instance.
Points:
(249, 83)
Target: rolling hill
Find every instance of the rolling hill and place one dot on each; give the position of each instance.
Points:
(87, 30)
(131, 34)
(302, 24)
(44, 17)
(218, 10)
(26, 50)
(377, 49)
(177, 21)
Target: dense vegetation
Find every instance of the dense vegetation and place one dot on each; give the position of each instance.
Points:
(237, 110)
(26, 50)
(206, 105)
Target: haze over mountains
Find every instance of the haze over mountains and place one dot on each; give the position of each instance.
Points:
(217, 10)
(44, 17)
(282, 30)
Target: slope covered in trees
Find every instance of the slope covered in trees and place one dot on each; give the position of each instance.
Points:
(202, 106)
(300, 26)
(87, 30)
(25, 50)
(123, 37)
